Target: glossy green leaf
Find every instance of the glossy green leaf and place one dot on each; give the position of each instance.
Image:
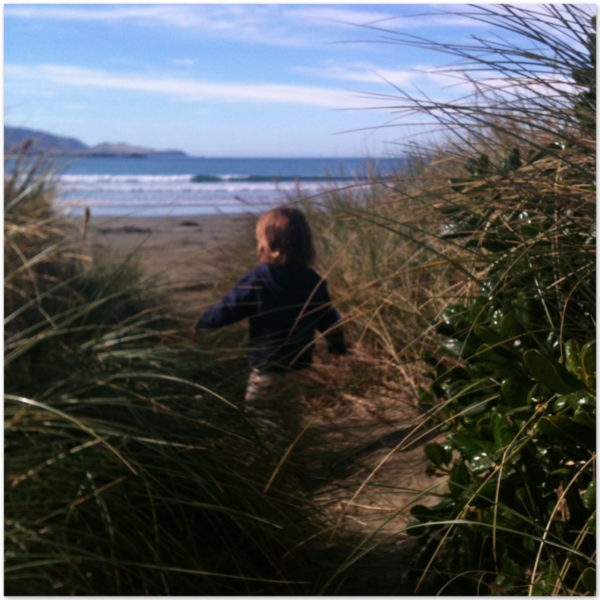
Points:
(544, 584)
(459, 348)
(514, 390)
(529, 544)
(560, 403)
(497, 355)
(581, 361)
(562, 429)
(509, 326)
(585, 418)
(454, 315)
(487, 334)
(580, 399)
(478, 311)
(589, 580)
(501, 430)
(548, 373)
(552, 344)
(459, 479)
(532, 396)
(588, 364)
(481, 462)
(524, 311)
(470, 445)
(475, 409)
(453, 347)
(464, 444)
(509, 571)
(572, 351)
(438, 454)
(589, 496)
(432, 513)
(426, 398)
(496, 319)
(554, 426)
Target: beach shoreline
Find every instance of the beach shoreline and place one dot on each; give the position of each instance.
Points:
(185, 254)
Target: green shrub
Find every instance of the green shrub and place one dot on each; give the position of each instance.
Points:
(519, 403)
(513, 381)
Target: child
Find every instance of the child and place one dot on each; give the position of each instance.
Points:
(285, 302)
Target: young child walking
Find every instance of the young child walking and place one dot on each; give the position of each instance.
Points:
(286, 302)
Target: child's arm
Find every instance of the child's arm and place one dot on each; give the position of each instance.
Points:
(334, 336)
(329, 325)
(240, 303)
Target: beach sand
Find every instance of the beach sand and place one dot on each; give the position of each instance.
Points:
(188, 254)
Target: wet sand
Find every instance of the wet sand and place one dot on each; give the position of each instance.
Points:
(190, 255)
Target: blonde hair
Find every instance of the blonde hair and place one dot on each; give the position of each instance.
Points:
(284, 237)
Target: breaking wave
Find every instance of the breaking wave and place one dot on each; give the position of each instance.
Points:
(116, 193)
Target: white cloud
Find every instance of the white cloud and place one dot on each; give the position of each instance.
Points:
(185, 89)
(362, 73)
(87, 13)
(263, 24)
(413, 18)
(326, 16)
(79, 12)
(219, 16)
(268, 24)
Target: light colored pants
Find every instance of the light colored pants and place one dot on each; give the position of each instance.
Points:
(272, 397)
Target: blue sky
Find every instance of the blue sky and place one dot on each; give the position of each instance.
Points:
(223, 79)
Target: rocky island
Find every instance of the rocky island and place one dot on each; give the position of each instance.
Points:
(42, 142)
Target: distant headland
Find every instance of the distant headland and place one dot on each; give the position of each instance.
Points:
(42, 142)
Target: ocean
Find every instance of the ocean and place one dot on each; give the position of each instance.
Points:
(187, 186)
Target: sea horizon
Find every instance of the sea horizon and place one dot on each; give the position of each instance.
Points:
(187, 186)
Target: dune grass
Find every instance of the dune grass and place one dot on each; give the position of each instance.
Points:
(130, 468)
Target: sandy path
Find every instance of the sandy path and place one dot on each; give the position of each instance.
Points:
(189, 254)
(195, 256)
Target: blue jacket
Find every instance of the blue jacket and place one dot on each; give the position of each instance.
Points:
(285, 304)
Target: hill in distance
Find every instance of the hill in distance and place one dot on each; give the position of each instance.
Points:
(49, 143)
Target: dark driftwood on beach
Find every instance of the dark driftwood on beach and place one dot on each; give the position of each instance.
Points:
(125, 229)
